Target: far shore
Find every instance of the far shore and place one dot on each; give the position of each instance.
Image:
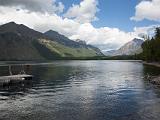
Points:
(156, 64)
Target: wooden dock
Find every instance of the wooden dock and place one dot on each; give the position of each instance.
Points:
(14, 78)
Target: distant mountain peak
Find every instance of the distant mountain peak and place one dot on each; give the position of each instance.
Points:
(53, 35)
(137, 40)
(12, 22)
(20, 29)
(11, 26)
(51, 31)
(130, 48)
(81, 41)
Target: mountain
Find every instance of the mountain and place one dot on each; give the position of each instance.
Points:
(55, 36)
(21, 30)
(19, 42)
(110, 52)
(130, 48)
(77, 44)
(81, 41)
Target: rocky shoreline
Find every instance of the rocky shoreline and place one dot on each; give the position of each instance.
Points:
(155, 79)
(156, 64)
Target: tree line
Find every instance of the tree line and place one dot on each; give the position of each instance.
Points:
(151, 48)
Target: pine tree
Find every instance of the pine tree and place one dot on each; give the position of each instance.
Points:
(151, 48)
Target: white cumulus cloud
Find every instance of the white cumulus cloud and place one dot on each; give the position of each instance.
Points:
(84, 12)
(147, 10)
(102, 35)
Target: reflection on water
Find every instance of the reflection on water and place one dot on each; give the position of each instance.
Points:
(82, 90)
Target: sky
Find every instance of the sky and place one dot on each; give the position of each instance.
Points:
(107, 24)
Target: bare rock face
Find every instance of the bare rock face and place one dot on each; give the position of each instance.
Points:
(130, 48)
(81, 41)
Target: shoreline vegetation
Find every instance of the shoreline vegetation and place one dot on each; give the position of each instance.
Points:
(123, 57)
(151, 54)
(153, 79)
(156, 64)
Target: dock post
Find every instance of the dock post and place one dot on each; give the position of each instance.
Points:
(10, 70)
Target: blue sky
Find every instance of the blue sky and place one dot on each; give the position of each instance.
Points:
(107, 24)
(115, 13)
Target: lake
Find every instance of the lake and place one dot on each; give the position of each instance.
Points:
(82, 90)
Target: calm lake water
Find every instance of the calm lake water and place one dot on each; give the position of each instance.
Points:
(82, 90)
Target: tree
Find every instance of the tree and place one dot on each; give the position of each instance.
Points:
(151, 48)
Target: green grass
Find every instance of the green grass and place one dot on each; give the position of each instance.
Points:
(65, 51)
